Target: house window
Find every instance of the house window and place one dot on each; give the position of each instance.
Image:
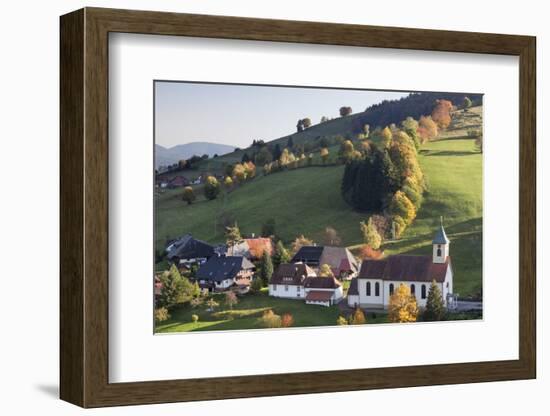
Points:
(423, 291)
(439, 251)
(413, 289)
(391, 289)
(298, 288)
(286, 288)
(274, 287)
(368, 288)
(377, 289)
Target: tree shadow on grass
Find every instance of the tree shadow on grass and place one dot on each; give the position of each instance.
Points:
(448, 153)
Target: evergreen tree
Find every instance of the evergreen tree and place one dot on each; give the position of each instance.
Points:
(245, 158)
(277, 152)
(266, 268)
(290, 142)
(281, 255)
(435, 308)
(268, 228)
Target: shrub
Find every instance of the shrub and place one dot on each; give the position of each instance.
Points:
(270, 320)
(195, 318)
(161, 315)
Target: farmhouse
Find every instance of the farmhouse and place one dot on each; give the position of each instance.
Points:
(323, 291)
(378, 279)
(341, 261)
(288, 280)
(222, 273)
(299, 281)
(188, 250)
(177, 182)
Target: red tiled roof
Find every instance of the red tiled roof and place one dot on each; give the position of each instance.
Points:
(405, 268)
(319, 295)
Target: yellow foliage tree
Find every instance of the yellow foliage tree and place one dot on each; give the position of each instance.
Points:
(402, 307)
(402, 206)
(386, 137)
(300, 242)
(358, 317)
(325, 271)
(324, 154)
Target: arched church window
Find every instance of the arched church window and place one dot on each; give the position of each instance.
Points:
(413, 289)
(423, 291)
(368, 288)
(377, 289)
(439, 250)
(391, 289)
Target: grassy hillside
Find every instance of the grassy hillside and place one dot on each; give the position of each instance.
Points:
(305, 201)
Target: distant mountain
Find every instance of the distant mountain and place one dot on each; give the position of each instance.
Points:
(167, 156)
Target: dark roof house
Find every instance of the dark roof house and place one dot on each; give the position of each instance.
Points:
(309, 255)
(187, 247)
(217, 269)
(291, 274)
(178, 182)
(322, 283)
(405, 268)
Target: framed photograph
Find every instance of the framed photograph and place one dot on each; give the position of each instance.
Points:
(255, 207)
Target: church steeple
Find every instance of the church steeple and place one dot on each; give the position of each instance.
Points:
(440, 244)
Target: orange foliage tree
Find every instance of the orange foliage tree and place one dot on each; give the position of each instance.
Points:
(287, 320)
(441, 113)
(427, 129)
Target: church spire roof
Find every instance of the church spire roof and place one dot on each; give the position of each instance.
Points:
(440, 236)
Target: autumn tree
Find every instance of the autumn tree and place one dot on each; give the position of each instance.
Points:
(188, 195)
(331, 237)
(371, 237)
(402, 206)
(231, 299)
(212, 304)
(386, 137)
(341, 321)
(211, 188)
(270, 320)
(266, 268)
(345, 111)
(233, 235)
(228, 182)
(441, 113)
(306, 122)
(367, 252)
(281, 254)
(161, 315)
(324, 154)
(300, 242)
(435, 307)
(195, 318)
(325, 271)
(287, 320)
(249, 169)
(358, 317)
(427, 129)
(239, 172)
(402, 307)
(182, 164)
(410, 126)
(347, 152)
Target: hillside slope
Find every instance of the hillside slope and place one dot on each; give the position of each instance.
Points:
(305, 201)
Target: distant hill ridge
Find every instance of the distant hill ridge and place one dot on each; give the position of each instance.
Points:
(168, 156)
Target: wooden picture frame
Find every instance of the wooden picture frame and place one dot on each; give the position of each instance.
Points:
(84, 207)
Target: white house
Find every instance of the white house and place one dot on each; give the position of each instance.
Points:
(323, 291)
(298, 281)
(288, 280)
(377, 279)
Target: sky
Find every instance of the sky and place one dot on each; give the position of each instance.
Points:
(235, 114)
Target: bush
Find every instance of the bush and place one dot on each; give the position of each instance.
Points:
(270, 320)
(195, 318)
(161, 315)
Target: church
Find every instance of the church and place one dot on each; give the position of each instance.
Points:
(377, 279)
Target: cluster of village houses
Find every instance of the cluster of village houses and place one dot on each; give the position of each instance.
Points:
(372, 281)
